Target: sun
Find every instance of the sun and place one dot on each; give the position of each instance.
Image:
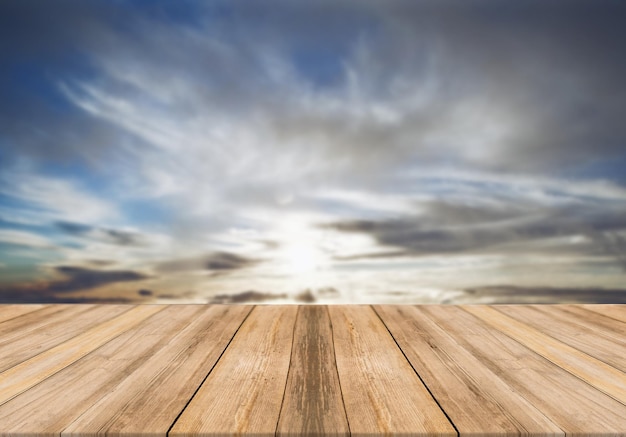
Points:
(300, 252)
(303, 257)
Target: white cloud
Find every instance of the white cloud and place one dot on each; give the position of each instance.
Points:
(226, 129)
(546, 190)
(361, 202)
(49, 198)
(23, 238)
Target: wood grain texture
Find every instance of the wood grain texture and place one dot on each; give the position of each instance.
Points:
(604, 377)
(23, 376)
(149, 400)
(575, 406)
(475, 398)
(20, 328)
(617, 312)
(220, 370)
(382, 393)
(573, 331)
(243, 393)
(58, 329)
(52, 405)
(593, 320)
(8, 312)
(313, 403)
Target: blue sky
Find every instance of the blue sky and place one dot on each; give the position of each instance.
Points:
(331, 152)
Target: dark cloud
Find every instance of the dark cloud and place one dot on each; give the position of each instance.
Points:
(447, 213)
(112, 236)
(306, 296)
(180, 296)
(17, 295)
(227, 261)
(74, 279)
(216, 261)
(169, 296)
(541, 295)
(453, 230)
(483, 86)
(553, 66)
(79, 278)
(375, 255)
(124, 238)
(250, 296)
(74, 228)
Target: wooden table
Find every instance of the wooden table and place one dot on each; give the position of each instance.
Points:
(312, 370)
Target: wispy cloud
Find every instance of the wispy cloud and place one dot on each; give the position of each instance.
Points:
(42, 198)
(218, 261)
(108, 235)
(22, 238)
(227, 146)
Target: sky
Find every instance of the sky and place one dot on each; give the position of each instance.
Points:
(422, 151)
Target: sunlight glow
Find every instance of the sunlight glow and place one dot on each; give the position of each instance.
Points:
(303, 258)
(301, 253)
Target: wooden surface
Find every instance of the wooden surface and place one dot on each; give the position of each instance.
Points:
(313, 399)
(291, 370)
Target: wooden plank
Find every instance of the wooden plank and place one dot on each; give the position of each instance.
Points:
(313, 403)
(594, 322)
(8, 312)
(382, 393)
(573, 331)
(20, 327)
(149, 400)
(595, 372)
(575, 406)
(617, 312)
(591, 319)
(135, 380)
(475, 399)
(243, 393)
(52, 405)
(21, 377)
(57, 330)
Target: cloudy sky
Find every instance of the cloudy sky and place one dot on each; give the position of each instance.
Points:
(332, 151)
